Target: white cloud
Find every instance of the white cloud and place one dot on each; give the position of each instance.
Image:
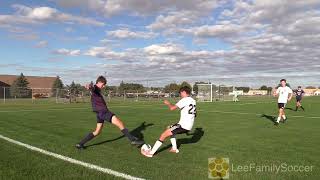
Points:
(42, 44)
(140, 7)
(37, 15)
(173, 19)
(125, 33)
(163, 49)
(67, 52)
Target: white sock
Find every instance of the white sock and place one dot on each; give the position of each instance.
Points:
(278, 120)
(174, 143)
(284, 117)
(156, 147)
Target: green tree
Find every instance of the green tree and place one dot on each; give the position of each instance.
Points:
(131, 87)
(245, 89)
(264, 87)
(19, 87)
(172, 88)
(75, 89)
(57, 85)
(196, 87)
(184, 83)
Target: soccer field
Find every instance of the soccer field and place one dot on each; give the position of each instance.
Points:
(242, 131)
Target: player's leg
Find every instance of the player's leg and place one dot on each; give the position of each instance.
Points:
(90, 136)
(283, 115)
(159, 142)
(117, 122)
(301, 105)
(279, 116)
(281, 111)
(174, 144)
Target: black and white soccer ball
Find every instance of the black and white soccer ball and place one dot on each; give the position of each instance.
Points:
(145, 148)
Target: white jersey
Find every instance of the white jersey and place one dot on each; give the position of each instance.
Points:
(283, 93)
(188, 112)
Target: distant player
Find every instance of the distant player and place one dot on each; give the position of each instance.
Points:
(187, 105)
(235, 97)
(299, 94)
(284, 94)
(99, 106)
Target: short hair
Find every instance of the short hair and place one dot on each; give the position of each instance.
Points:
(299, 86)
(101, 79)
(283, 80)
(185, 89)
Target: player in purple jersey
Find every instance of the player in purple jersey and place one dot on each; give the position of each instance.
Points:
(299, 94)
(99, 106)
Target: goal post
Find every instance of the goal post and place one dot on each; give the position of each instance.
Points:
(205, 92)
(211, 93)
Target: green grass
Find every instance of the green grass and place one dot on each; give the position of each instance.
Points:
(225, 129)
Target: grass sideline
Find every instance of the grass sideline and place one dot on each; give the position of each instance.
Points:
(241, 131)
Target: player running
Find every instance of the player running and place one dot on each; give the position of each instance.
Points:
(99, 106)
(284, 94)
(187, 105)
(299, 94)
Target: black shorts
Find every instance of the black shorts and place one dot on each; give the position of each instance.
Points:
(281, 105)
(177, 129)
(104, 116)
(298, 98)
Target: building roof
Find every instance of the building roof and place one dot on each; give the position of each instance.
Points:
(34, 81)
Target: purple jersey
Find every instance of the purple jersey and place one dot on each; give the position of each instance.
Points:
(299, 92)
(97, 100)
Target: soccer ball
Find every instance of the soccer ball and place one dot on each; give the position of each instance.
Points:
(145, 148)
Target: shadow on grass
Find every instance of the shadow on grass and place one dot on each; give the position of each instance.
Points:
(290, 109)
(271, 118)
(195, 137)
(137, 132)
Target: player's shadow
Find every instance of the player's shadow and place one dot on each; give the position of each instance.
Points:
(271, 118)
(195, 137)
(137, 132)
(290, 109)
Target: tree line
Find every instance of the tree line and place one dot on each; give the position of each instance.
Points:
(20, 88)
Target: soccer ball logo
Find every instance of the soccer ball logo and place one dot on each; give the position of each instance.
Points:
(218, 168)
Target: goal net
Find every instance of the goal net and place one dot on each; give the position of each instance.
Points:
(211, 92)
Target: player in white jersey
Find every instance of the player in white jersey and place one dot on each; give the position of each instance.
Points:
(187, 105)
(284, 94)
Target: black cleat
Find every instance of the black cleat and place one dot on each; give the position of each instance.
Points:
(276, 123)
(284, 120)
(79, 146)
(137, 142)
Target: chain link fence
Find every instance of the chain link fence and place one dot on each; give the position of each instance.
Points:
(49, 95)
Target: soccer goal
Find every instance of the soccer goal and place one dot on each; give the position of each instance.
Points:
(205, 92)
(211, 92)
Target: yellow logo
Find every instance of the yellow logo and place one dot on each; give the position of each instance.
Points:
(218, 168)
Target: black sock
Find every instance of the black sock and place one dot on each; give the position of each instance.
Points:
(125, 131)
(297, 108)
(302, 108)
(86, 139)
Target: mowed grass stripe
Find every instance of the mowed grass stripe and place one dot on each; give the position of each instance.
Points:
(73, 161)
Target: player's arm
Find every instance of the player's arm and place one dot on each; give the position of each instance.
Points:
(171, 106)
(276, 92)
(290, 96)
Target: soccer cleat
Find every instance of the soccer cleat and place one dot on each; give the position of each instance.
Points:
(174, 150)
(137, 142)
(276, 123)
(79, 146)
(147, 154)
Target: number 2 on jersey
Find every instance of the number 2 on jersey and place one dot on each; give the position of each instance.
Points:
(193, 109)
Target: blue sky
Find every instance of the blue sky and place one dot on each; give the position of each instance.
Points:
(159, 42)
